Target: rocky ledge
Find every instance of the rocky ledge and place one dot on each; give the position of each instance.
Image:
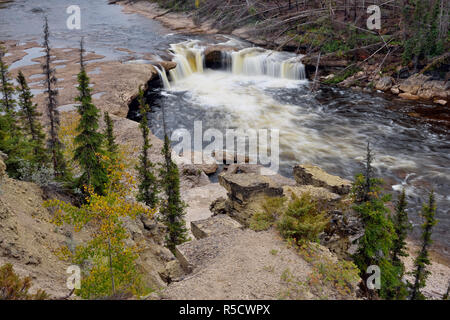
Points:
(247, 191)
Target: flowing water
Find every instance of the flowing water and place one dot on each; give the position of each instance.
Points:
(260, 89)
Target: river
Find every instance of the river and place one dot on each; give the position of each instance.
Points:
(329, 128)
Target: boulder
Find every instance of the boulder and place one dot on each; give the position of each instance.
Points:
(214, 225)
(441, 102)
(173, 271)
(191, 176)
(214, 56)
(318, 193)
(408, 96)
(342, 234)
(167, 65)
(434, 89)
(395, 90)
(315, 176)
(244, 186)
(413, 83)
(206, 163)
(384, 84)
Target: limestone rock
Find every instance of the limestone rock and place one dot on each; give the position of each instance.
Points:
(315, 176)
(173, 271)
(191, 177)
(215, 225)
(413, 83)
(202, 161)
(214, 55)
(319, 193)
(167, 65)
(433, 89)
(395, 90)
(408, 96)
(441, 102)
(244, 186)
(384, 84)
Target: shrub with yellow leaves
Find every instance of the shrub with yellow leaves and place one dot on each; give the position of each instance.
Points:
(108, 264)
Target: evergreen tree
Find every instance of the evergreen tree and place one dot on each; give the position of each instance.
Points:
(31, 125)
(173, 210)
(112, 148)
(89, 140)
(420, 264)
(148, 187)
(12, 141)
(54, 144)
(376, 243)
(401, 227)
(7, 103)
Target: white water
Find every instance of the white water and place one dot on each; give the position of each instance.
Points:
(190, 59)
(260, 89)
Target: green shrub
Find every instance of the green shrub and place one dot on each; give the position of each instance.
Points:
(271, 209)
(302, 221)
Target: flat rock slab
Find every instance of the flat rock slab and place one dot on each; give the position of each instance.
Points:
(318, 193)
(315, 176)
(215, 225)
(244, 186)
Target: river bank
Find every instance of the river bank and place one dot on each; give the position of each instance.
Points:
(358, 69)
(115, 85)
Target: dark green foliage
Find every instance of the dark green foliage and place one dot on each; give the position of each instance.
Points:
(148, 186)
(401, 227)
(376, 243)
(12, 287)
(12, 141)
(302, 220)
(420, 264)
(173, 209)
(7, 103)
(422, 30)
(272, 209)
(89, 140)
(31, 126)
(111, 146)
(54, 145)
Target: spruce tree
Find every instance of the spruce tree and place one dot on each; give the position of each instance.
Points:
(7, 103)
(401, 227)
(88, 141)
(30, 123)
(54, 144)
(148, 186)
(173, 210)
(12, 141)
(420, 264)
(111, 146)
(376, 243)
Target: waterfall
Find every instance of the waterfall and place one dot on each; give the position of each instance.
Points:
(190, 58)
(163, 76)
(260, 62)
